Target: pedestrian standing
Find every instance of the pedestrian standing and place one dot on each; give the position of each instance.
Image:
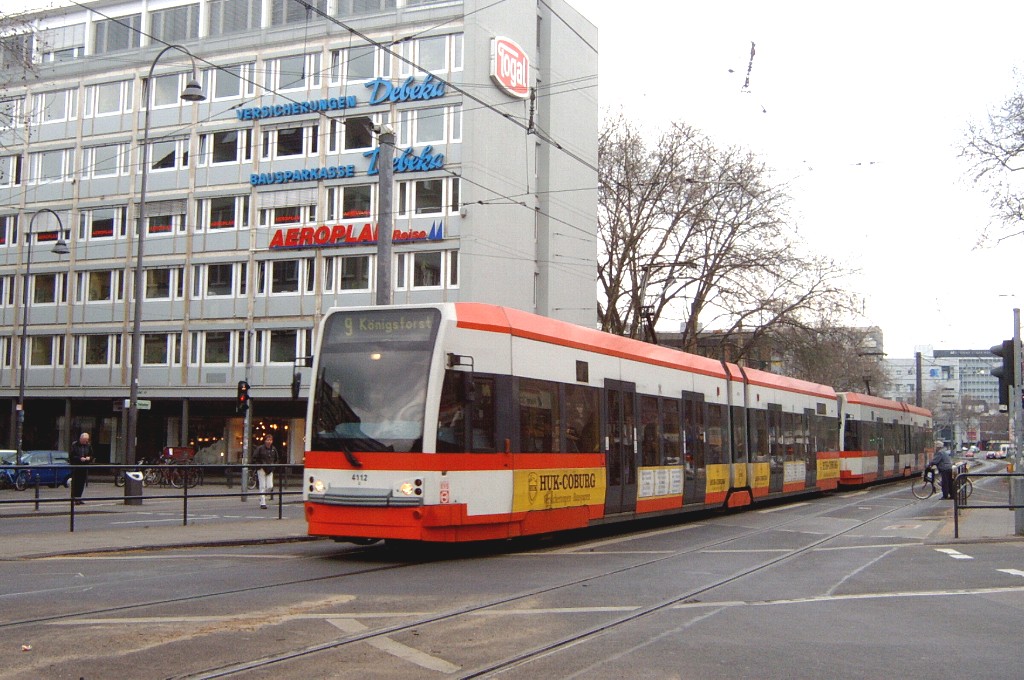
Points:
(81, 456)
(265, 455)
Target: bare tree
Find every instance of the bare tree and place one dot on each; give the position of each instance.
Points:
(996, 154)
(692, 229)
(841, 356)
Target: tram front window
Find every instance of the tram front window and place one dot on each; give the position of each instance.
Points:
(370, 390)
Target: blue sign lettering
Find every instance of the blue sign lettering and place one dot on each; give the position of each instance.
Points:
(408, 160)
(382, 90)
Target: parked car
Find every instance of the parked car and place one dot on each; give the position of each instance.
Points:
(51, 468)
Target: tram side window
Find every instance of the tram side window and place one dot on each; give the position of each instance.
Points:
(693, 435)
(582, 412)
(460, 414)
(715, 443)
(538, 416)
(759, 436)
(649, 436)
(671, 441)
(851, 435)
(789, 435)
(739, 435)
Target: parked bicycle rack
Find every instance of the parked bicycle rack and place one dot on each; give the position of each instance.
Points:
(958, 502)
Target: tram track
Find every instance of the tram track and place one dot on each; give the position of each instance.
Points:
(524, 657)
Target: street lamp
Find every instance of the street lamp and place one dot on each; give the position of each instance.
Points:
(59, 248)
(193, 92)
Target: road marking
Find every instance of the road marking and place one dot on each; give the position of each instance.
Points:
(782, 507)
(621, 539)
(404, 652)
(1012, 572)
(955, 554)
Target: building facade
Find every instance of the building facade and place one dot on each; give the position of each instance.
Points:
(261, 203)
(957, 385)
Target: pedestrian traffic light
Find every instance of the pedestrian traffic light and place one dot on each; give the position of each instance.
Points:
(1005, 373)
(243, 397)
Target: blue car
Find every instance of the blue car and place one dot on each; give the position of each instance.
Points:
(50, 468)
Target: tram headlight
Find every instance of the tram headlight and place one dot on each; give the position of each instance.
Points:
(317, 486)
(410, 488)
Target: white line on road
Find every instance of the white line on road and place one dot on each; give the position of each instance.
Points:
(1012, 572)
(588, 547)
(389, 646)
(955, 554)
(781, 507)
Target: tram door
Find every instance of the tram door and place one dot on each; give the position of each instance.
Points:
(620, 446)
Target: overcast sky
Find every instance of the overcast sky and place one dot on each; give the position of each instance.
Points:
(862, 108)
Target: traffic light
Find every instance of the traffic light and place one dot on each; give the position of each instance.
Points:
(242, 404)
(1005, 373)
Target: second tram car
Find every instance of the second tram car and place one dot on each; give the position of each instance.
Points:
(467, 422)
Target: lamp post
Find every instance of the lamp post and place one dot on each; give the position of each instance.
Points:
(193, 92)
(59, 248)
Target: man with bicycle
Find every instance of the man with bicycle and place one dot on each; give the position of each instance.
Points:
(944, 463)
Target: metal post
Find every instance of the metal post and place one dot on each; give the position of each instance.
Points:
(385, 166)
(193, 92)
(1017, 483)
(60, 248)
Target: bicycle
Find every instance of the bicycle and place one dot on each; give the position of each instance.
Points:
(930, 483)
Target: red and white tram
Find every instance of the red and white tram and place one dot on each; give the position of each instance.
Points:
(466, 422)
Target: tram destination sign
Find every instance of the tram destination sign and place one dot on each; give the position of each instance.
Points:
(415, 325)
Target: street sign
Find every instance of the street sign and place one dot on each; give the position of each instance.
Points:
(140, 404)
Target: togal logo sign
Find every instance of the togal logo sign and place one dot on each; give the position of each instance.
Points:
(510, 67)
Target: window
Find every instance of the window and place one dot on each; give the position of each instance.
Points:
(354, 271)
(62, 44)
(294, 72)
(97, 350)
(109, 98)
(538, 416)
(10, 112)
(45, 350)
(100, 286)
(426, 270)
(230, 82)
(357, 63)
(427, 196)
(223, 212)
(430, 125)
(290, 142)
(174, 25)
(345, 8)
(435, 54)
(8, 234)
(159, 283)
(168, 154)
(284, 276)
(166, 90)
(355, 201)
(217, 347)
(154, 349)
(283, 12)
(283, 346)
(219, 279)
(52, 166)
(105, 161)
(225, 147)
(289, 215)
(234, 16)
(582, 416)
(164, 222)
(112, 35)
(10, 171)
(432, 53)
(102, 223)
(56, 106)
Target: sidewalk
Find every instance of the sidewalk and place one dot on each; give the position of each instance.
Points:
(262, 527)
